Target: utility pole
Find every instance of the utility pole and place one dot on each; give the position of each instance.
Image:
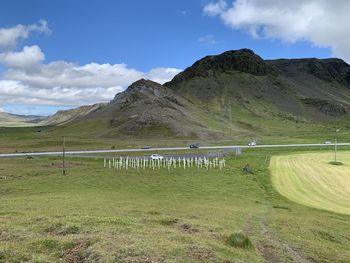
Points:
(63, 155)
(335, 145)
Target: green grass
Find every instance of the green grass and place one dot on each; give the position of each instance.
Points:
(239, 240)
(311, 180)
(99, 215)
(50, 139)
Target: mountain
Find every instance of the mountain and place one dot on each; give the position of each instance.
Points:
(59, 118)
(231, 94)
(65, 116)
(236, 93)
(241, 82)
(14, 120)
(148, 109)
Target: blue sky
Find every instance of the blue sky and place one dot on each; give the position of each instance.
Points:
(144, 35)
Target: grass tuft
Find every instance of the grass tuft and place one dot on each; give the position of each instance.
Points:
(239, 240)
(281, 207)
(62, 230)
(168, 221)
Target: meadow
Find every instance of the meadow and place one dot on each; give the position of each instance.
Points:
(94, 214)
(311, 180)
(31, 139)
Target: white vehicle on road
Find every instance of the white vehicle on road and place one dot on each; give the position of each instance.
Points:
(156, 157)
(327, 142)
(252, 143)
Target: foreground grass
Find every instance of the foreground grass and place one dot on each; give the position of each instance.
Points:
(99, 215)
(311, 180)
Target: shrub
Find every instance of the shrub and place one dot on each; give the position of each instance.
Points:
(247, 169)
(239, 240)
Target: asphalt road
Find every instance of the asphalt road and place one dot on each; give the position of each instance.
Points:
(169, 149)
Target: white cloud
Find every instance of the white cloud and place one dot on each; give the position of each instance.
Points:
(62, 83)
(208, 39)
(215, 8)
(27, 58)
(10, 36)
(64, 74)
(67, 75)
(29, 81)
(162, 75)
(16, 92)
(323, 23)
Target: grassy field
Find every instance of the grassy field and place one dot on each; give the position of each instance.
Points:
(310, 179)
(99, 215)
(50, 139)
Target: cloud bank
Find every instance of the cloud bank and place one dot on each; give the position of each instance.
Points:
(324, 23)
(28, 80)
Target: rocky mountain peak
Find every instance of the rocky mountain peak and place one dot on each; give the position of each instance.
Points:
(144, 83)
(330, 70)
(243, 60)
(141, 90)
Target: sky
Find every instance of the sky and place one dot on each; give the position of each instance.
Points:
(61, 54)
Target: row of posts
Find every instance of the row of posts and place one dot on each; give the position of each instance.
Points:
(168, 163)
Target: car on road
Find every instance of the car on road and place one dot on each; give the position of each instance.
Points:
(252, 143)
(327, 142)
(194, 146)
(156, 157)
(146, 147)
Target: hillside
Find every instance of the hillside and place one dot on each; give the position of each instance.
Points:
(14, 120)
(236, 93)
(59, 118)
(65, 116)
(148, 109)
(243, 88)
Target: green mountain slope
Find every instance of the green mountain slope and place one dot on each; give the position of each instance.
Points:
(244, 88)
(65, 116)
(293, 87)
(148, 109)
(228, 95)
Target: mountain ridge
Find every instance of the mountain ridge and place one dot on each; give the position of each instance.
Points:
(236, 92)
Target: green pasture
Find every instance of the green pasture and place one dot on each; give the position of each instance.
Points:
(94, 214)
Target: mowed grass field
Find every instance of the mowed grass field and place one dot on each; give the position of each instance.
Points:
(94, 214)
(310, 179)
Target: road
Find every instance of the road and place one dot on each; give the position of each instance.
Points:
(169, 149)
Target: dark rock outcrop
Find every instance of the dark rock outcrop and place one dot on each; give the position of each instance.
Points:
(243, 60)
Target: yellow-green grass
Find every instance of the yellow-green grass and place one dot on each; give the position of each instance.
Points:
(311, 180)
(122, 216)
(101, 215)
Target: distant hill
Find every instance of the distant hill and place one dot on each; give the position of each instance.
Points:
(65, 116)
(59, 118)
(233, 93)
(14, 120)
